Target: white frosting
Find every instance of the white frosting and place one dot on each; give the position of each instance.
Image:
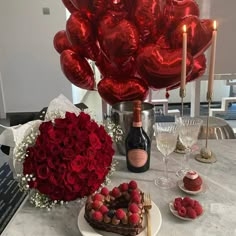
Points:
(192, 174)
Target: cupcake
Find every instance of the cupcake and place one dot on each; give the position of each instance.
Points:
(192, 181)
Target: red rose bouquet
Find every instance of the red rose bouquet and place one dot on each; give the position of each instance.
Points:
(67, 158)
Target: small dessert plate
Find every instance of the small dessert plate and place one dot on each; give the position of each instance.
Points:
(175, 213)
(203, 188)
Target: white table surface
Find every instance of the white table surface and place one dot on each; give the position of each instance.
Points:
(219, 201)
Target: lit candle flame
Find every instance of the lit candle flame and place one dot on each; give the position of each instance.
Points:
(214, 25)
(184, 28)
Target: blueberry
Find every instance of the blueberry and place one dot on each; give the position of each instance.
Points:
(111, 213)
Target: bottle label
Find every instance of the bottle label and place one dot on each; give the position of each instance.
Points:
(137, 157)
(137, 124)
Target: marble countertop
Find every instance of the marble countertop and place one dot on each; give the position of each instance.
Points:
(219, 201)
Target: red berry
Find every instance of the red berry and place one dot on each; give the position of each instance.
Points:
(98, 197)
(97, 215)
(134, 219)
(196, 203)
(96, 204)
(182, 211)
(136, 199)
(124, 187)
(178, 199)
(133, 184)
(134, 192)
(186, 201)
(191, 213)
(104, 191)
(133, 208)
(115, 192)
(198, 210)
(103, 209)
(120, 214)
(177, 205)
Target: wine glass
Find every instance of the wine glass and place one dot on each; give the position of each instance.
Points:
(166, 134)
(189, 128)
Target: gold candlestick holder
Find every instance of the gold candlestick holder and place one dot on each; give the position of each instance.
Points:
(180, 148)
(206, 155)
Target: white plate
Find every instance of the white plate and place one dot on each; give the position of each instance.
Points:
(87, 230)
(203, 188)
(175, 213)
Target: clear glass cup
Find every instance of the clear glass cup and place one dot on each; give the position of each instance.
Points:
(189, 128)
(166, 134)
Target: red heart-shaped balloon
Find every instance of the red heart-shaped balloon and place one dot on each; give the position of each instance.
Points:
(175, 10)
(77, 70)
(118, 38)
(161, 67)
(126, 89)
(68, 4)
(199, 68)
(199, 35)
(107, 68)
(61, 42)
(80, 33)
(147, 17)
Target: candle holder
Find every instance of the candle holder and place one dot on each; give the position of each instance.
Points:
(180, 148)
(206, 155)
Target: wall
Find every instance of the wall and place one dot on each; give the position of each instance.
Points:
(29, 64)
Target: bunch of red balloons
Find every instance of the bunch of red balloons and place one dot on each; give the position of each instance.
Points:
(136, 45)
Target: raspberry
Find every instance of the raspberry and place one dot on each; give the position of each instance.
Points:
(134, 219)
(177, 205)
(191, 213)
(196, 203)
(96, 204)
(198, 210)
(134, 192)
(103, 209)
(178, 199)
(124, 187)
(136, 199)
(98, 197)
(133, 208)
(97, 215)
(115, 192)
(182, 211)
(133, 184)
(187, 201)
(120, 214)
(104, 191)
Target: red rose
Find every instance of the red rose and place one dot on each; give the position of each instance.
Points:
(71, 178)
(42, 171)
(71, 157)
(94, 141)
(78, 163)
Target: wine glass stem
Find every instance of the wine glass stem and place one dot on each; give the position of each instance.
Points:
(187, 156)
(165, 159)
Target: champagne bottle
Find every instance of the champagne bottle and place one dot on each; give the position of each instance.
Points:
(137, 143)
